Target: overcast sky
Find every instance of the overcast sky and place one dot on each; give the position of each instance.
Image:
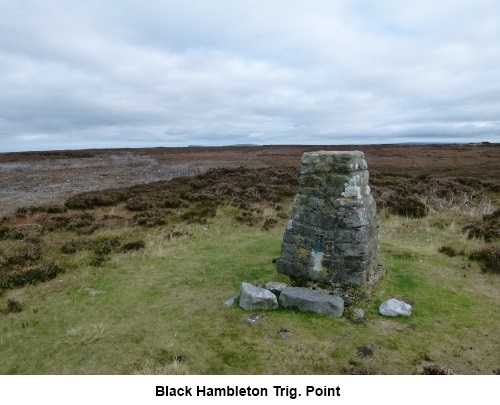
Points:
(135, 73)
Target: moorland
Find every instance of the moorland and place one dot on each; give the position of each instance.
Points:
(119, 261)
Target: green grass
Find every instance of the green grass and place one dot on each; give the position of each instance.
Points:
(161, 309)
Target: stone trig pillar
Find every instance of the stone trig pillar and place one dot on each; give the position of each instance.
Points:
(332, 235)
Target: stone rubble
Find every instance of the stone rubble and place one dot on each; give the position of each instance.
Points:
(304, 299)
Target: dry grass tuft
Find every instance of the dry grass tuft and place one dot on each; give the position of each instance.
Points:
(153, 367)
(87, 334)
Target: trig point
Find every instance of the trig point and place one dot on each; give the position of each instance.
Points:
(332, 235)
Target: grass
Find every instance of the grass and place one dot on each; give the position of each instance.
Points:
(160, 309)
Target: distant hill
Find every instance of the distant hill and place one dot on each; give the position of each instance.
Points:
(236, 144)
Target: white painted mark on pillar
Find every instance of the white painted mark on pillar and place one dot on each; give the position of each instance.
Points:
(318, 258)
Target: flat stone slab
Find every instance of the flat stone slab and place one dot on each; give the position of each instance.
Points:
(308, 300)
(254, 298)
(394, 307)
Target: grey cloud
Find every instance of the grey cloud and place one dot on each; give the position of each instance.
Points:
(78, 74)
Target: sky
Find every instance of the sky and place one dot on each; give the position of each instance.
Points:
(142, 73)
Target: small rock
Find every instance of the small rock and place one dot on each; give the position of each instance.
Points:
(359, 313)
(285, 334)
(93, 292)
(252, 320)
(394, 307)
(230, 301)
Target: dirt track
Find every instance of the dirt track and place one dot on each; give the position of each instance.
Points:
(45, 181)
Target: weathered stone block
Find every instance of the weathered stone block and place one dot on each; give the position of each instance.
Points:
(353, 218)
(254, 298)
(309, 300)
(350, 250)
(352, 235)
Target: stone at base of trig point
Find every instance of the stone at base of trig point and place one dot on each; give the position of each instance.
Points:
(254, 298)
(309, 300)
(332, 237)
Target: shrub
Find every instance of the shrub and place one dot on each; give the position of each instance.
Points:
(69, 248)
(199, 214)
(4, 232)
(105, 246)
(95, 199)
(488, 257)
(283, 215)
(139, 204)
(488, 228)
(452, 190)
(81, 223)
(26, 255)
(269, 223)
(74, 245)
(178, 234)
(134, 245)
(26, 211)
(13, 306)
(88, 230)
(172, 202)
(31, 232)
(56, 209)
(33, 275)
(149, 219)
(437, 370)
(407, 206)
(449, 251)
(249, 218)
(98, 260)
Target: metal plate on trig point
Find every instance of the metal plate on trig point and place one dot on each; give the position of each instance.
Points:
(319, 241)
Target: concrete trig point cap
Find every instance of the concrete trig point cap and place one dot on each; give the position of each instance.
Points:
(332, 235)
